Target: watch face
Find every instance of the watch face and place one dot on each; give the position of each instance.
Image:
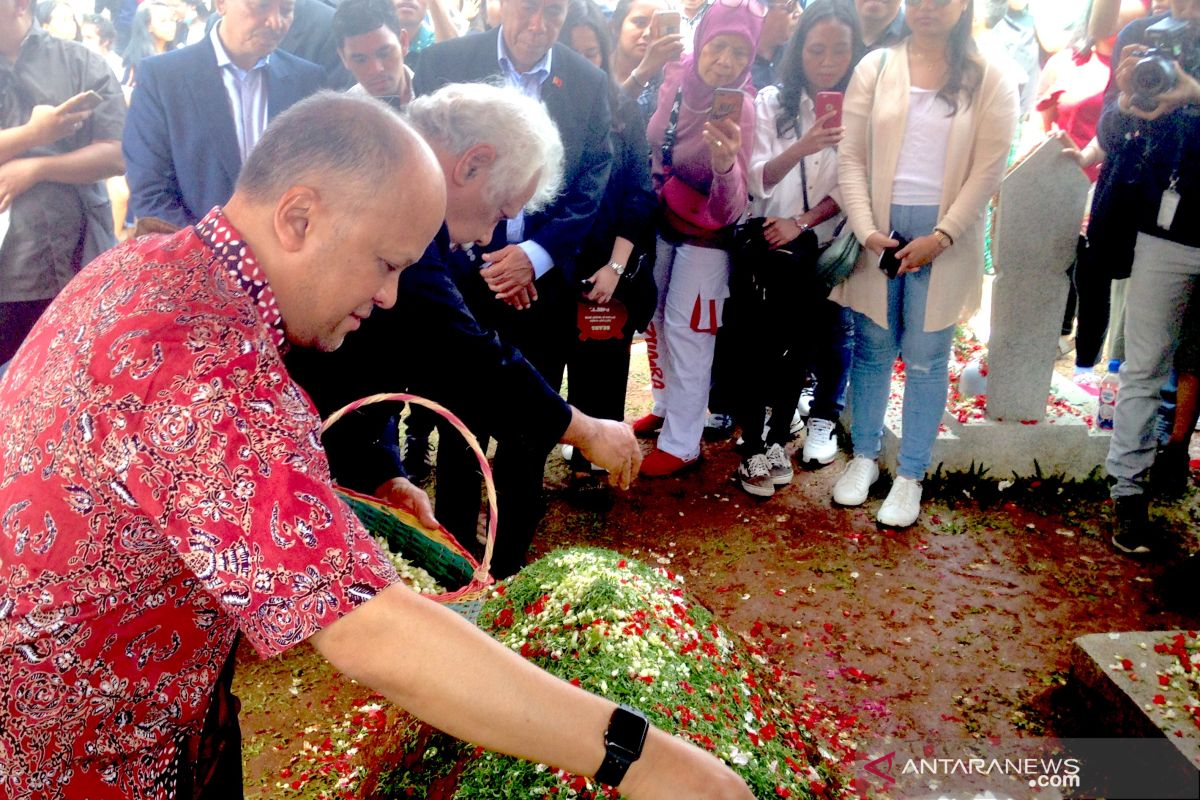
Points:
(627, 731)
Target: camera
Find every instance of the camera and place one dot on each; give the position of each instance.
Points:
(1170, 41)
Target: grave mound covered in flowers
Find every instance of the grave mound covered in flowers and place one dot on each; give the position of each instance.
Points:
(621, 629)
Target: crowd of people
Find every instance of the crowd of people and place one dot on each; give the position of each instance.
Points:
(473, 202)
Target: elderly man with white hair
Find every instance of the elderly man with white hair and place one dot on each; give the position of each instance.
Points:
(501, 154)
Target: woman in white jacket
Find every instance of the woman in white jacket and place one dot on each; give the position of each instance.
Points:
(929, 123)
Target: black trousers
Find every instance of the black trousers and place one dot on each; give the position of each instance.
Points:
(16, 320)
(770, 343)
(543, 334)
(1092, 283)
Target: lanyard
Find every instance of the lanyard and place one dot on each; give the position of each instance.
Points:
(670, 134)
(803, 171)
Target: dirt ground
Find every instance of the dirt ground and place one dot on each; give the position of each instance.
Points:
(954, 632)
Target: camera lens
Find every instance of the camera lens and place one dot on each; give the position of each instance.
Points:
(1153, 75)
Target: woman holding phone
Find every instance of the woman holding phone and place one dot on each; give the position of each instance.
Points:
(928, 123)
(793, 183)
(699, 165)
(646, 38)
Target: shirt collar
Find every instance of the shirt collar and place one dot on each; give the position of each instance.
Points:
(541, 69)
(223, 59)
(219, 236)
(32, 39)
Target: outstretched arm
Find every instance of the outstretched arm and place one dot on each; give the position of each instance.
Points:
(430, 661)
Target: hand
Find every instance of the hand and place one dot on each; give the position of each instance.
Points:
(610, 444)
(16, 178)
(604, 283)
(510, 272)
(778, 231)
(48, 124)
(403, 493)
(1069, 148)
(877, 243)
(1123, 74)
(919, 252)
(469, 9)
(818, 137)
(659, 53)
(522, 299)
(724, 137)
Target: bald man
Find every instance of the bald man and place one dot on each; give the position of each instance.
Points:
(164, 491)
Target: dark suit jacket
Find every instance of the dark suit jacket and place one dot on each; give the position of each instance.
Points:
(576, 96)
(180, 143)
(431, 345)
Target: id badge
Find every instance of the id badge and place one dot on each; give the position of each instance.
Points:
(1167, 209)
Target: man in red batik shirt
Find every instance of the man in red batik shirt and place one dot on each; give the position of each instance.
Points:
(163, 489)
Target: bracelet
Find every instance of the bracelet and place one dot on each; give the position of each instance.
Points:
(944, 239)
(641, 83)
(798, 220)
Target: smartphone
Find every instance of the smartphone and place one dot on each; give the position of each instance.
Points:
(727, 103)
(887, 259)
(830, 101)
(664, 23)
(586, 285)
(85, 101)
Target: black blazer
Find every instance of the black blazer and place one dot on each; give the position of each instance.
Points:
(429, 344)
(577, 100)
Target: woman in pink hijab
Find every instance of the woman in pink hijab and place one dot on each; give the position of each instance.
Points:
(700, 164)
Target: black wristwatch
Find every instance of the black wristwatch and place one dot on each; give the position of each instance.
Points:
(622, 743)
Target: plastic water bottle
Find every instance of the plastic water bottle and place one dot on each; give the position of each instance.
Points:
(1109, 385)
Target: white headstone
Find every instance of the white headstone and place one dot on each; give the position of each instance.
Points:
(1036, 230)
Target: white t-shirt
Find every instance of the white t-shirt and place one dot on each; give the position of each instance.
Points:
(922, 164)
(786, 198)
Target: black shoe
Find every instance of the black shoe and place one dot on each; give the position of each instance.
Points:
(1170, 474)
(1131, 526)
(418, 457)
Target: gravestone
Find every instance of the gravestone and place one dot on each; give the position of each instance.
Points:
(1036, 230)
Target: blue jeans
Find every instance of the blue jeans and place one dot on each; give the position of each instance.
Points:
(926, 361)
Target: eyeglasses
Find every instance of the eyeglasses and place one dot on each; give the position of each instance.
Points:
(938, 3)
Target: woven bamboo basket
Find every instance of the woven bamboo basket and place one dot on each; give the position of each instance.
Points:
(434, 550)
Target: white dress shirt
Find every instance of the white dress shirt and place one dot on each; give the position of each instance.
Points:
(786, 198)
(247, 92)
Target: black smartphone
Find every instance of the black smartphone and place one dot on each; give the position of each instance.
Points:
(887, 259)
(586, 285)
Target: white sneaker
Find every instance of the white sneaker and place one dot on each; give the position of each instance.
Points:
(903, 504)
(779, 465)
(852, 488)
(821, 445)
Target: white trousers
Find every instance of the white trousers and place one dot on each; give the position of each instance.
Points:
(693, 283)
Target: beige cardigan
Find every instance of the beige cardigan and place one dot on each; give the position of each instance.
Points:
(980, 139)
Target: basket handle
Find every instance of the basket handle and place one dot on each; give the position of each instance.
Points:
(482, 573)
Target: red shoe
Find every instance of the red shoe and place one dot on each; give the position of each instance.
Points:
(661, 464)
(648, 425)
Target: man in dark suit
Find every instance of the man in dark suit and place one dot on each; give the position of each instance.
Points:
(466, 126)
(525, 287)
(197, 112)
